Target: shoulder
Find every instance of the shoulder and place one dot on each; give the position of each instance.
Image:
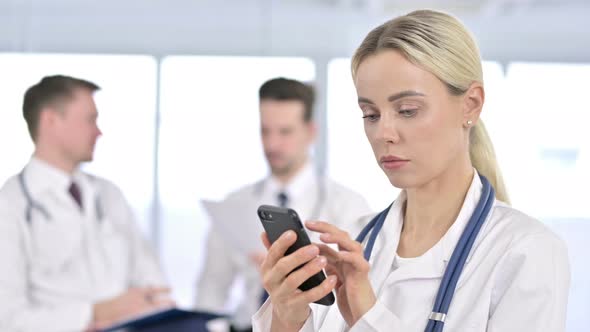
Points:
(103, 185)
(12, 202)
(517, 226)
(247, 190)
(520, 238)
(342, 193)
(11, 194)
(531, 259)
(10, 186)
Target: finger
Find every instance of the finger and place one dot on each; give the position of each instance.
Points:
(287, 264)
(317, 292)
(321, 226)
(298, 277)
(164, 303)
(333, 234)
(330, 253)
(265, 240)
(277, 250)
(343, 241)
(331, 270)
(358, 262)
(153, 291)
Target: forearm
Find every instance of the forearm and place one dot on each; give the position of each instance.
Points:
(61, 318)
(263, 321)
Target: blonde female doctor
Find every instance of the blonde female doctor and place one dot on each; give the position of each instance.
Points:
(449, 252)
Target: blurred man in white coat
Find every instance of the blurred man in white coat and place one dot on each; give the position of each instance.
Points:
(287, 132)
(71, 256)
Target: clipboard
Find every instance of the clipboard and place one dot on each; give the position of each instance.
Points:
(159, 317)
(236, 220)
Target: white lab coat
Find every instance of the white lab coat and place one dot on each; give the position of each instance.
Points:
(516, 279)
(223, 263)
(54, 270)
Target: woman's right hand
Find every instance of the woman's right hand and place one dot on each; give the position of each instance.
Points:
(291, 305)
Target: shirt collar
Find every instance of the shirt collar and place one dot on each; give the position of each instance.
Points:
(298, 186)
(41, 176)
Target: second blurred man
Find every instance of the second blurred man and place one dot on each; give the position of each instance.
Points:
(287, 132)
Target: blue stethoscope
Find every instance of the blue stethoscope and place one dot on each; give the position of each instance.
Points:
(34, 205)
(456, 264)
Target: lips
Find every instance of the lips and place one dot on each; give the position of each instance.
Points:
(393, 162)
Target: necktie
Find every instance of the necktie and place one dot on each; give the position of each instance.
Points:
(74, 191)
(283, 199)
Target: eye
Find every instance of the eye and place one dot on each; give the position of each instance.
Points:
(370, 114)
(408, 112)
(371, 117)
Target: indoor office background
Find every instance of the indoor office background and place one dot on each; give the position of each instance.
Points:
(178, 105)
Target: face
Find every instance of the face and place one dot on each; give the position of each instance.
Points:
(74, 127)
(286, 137)
(414, 125)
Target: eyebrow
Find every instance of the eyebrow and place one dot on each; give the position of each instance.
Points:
(394, 97)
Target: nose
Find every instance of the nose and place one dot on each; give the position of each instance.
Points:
(387, 130)
(271, 141)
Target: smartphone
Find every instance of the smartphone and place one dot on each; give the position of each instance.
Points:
(276, 221)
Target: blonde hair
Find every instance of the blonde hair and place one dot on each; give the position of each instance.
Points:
(440, 44)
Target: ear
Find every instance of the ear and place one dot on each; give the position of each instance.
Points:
(473, 100)
(312, 130)
(48, 117)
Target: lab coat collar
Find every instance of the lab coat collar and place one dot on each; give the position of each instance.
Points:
(450, 239)
(298, 186)
(433, 262)
(42, 177)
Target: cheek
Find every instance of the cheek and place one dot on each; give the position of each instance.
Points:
(370, 133)
(437, 141)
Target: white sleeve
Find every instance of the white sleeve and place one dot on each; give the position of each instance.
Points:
(18, 312)
(262, 320)
(217, 276)
(347, 208)
(146, 269)
(531, 288)
(379, 319)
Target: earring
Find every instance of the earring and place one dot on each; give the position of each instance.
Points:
(469, 123)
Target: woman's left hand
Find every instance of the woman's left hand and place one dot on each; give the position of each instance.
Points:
(355, 295)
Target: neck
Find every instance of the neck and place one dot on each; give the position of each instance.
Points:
(54, 158)
(433, 207)
(286, 177)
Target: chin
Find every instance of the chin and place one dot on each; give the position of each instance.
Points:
(279, 170)
(402, 181)
(87, 159)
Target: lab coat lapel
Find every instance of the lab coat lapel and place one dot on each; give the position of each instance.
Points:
(386, 245)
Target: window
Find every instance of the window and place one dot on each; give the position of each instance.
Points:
(547, 143)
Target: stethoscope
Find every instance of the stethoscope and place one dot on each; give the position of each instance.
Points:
(32, 204)
(456, 264)
(319, 203)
